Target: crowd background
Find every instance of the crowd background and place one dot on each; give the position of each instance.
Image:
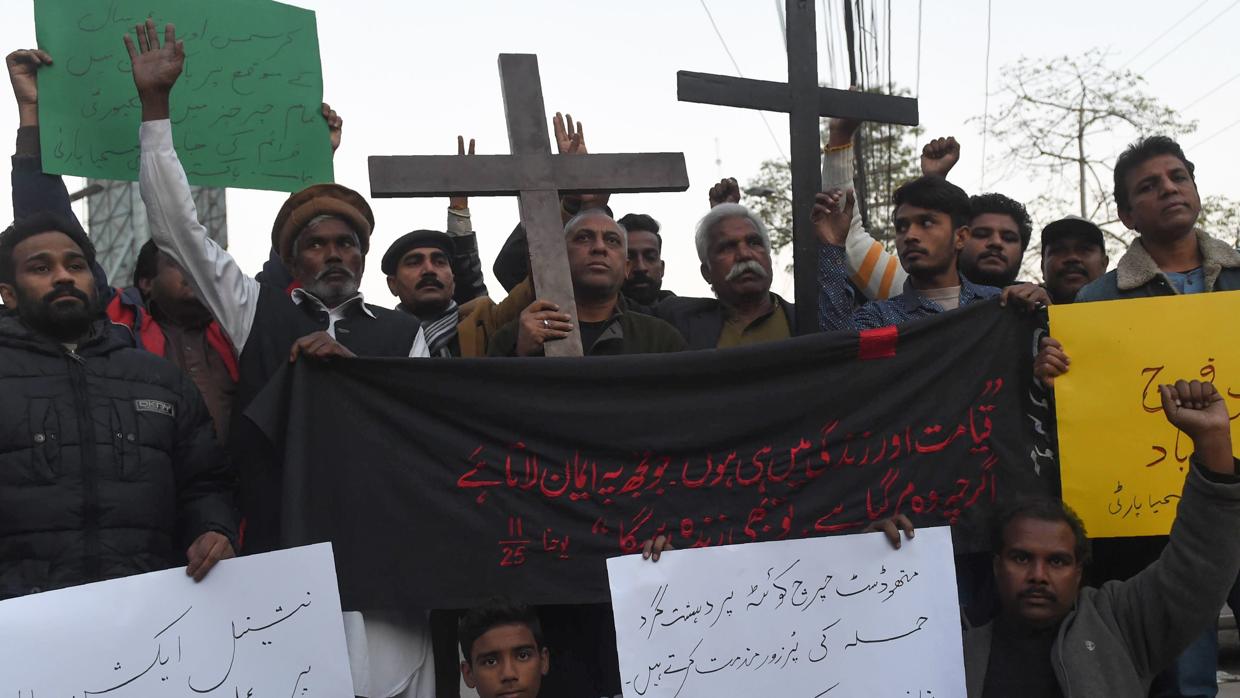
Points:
(406, 98)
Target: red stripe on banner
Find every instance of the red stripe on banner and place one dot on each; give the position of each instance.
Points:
(878, 343)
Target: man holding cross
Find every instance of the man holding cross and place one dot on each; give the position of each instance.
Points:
(598, 261)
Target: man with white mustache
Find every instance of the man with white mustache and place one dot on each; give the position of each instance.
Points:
(735, 251)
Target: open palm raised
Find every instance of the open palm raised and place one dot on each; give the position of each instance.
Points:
(155, 68)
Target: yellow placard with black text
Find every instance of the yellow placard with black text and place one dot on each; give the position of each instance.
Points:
(1122, 463)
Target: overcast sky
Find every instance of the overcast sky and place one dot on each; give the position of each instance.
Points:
(409, 76)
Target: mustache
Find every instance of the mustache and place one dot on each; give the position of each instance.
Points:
(332, 269)
(748, 265)
(995, 254)
(1071, 268)
(1038, 592)
(428, 281)
(65, 292)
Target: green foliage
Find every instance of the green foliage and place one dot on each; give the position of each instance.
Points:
(1220, 217)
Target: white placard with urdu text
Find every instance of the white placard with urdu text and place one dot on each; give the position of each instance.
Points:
(262, 625)
(836, 616)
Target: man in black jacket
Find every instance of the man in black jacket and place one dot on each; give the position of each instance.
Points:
(109, 465)
(597, 260)
(735, 251)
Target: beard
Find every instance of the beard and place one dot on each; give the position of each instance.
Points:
(645, 291)
(62, 322)
(333, 293)
(1001, 279)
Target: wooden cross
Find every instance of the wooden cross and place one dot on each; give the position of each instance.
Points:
(804, 102)
(536, 176)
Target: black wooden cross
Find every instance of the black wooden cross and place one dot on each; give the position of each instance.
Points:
(804, 102)
(534, 175)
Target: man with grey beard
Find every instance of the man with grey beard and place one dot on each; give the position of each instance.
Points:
(322, 234)
(735, 251)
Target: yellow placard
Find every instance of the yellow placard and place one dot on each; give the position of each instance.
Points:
(1122, 463)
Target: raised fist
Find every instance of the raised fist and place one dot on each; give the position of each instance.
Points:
(939, 156)
(727, 191)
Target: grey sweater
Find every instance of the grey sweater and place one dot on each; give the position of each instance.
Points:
(1121, 634)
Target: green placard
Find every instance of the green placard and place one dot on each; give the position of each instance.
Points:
(245, 113)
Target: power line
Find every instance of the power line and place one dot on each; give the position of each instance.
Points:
(1160, 36)
(1190, 36)
(783, 23)
(890, 78)
(917, 84)
(890, 90)
(826, 35)
(1220, 86)
(1216, 134)
(737, 66)
(986, 100)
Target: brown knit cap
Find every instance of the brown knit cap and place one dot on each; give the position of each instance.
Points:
(321, 200)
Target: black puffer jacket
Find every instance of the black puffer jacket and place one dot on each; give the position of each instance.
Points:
(108, 463)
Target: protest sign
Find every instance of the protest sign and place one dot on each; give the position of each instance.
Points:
(1122, 463)
(246, 110)
(529, 473)
(264, 625)
(791, 618)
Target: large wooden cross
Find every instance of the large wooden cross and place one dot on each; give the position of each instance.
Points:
(536, 176)
(804, 101)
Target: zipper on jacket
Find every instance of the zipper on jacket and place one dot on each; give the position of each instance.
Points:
(90, 485)
(1063, 666)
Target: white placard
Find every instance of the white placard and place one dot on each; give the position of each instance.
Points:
(839, 616)
(262, 625)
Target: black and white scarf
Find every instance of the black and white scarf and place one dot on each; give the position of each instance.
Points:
(442, 330)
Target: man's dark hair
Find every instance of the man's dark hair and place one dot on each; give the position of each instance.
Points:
(1042, 509)
(493, 613)
(936, 194)
(641, 221)
(147, 267)
(1000, 204)
(34, 224)
(1136, 154)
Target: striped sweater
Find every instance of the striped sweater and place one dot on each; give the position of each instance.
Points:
(871, 267)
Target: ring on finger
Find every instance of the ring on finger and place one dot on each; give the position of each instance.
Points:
(546, 324)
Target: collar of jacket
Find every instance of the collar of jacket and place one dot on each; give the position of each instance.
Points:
(302, 297)
(1137, 268)
(911, 299)
(15, 333)
(614, 330)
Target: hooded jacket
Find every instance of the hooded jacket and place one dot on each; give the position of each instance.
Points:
(108, 462)
(1120, 635)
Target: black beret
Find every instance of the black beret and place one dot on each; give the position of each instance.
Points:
(412, 241)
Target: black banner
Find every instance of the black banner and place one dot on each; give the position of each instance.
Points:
(441, 482)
